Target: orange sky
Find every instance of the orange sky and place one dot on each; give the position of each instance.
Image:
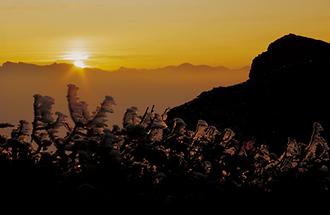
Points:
(153, 33)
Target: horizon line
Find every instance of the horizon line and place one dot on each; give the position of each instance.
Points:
(60, 62)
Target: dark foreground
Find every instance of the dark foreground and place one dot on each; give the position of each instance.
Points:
(149, 162)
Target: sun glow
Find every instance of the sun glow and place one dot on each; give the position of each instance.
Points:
(79, 63)
(78, 58)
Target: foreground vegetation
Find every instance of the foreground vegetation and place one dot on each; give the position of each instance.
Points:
(148, 157)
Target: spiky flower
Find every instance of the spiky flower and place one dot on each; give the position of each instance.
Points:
(131, 117)
(100, 117)
(78, 110)
(179, 126)
(200, 129)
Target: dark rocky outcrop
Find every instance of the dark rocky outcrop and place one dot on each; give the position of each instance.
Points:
(287, 90)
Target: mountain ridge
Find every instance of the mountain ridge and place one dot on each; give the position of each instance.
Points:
(285, 93)
(178, 68)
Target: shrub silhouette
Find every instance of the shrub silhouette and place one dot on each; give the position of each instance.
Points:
(149, 157)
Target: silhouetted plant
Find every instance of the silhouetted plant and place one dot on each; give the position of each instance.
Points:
(151, 152)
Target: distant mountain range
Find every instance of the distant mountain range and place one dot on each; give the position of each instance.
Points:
(184, 67)
(165, 87)
(27, 67)
(287, 90)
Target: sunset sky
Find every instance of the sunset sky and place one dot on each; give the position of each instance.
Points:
(153, 33)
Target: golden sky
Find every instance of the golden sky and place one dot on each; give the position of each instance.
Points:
(153, 33)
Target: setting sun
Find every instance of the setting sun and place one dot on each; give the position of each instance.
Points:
(78, 58)
(79, 63)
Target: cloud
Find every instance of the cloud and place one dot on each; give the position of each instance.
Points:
(120, 57)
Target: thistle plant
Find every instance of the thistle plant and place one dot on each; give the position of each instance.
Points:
(150, 148)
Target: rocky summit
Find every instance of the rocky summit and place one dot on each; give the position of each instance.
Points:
(286, 92)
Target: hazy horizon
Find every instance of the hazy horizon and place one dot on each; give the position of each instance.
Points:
(121, 66)
(163, 87)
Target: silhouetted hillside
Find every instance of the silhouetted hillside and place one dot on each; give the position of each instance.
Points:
(27, 67)
(287, 90)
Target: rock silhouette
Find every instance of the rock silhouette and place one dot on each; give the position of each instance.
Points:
(286, 91)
